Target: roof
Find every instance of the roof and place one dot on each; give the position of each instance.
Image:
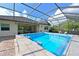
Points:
(20, 19)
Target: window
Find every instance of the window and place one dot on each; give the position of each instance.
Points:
(5, 27)
(46, 28)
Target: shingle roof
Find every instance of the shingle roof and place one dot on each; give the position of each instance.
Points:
(20, 19)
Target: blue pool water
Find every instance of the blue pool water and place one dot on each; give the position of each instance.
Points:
(54, 43)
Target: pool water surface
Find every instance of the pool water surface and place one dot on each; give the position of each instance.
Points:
(53, 42)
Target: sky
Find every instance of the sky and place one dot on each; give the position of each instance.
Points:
(49, 8)
(74, 10)
(43, 7)
(67, 10)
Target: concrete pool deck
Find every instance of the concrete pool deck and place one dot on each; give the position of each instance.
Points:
(22, 46)
(27, 47)
(7, 47)
(73, 49)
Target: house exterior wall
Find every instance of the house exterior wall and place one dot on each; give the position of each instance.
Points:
(13, 28)
(41, 28)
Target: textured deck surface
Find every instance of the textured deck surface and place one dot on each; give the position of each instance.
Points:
(27, 47)
(30, 48)
(7, 47)
(73, 49)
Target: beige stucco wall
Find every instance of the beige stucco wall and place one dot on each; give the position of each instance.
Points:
(13, 28)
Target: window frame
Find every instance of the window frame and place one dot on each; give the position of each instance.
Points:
(5, 27)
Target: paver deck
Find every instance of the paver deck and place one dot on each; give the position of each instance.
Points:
(25, 47)
(73, 49)
(28, 47)
(7, 47)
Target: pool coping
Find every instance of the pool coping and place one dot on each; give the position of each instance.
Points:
(71, 50)
(67, 45)
(65, 48)
(46, 53)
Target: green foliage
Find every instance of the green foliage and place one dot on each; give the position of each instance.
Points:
(66, 26)
(54, 29)
(69, 25)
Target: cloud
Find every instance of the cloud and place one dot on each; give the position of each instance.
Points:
(72, 10)
(67, 10)
(25, 12)
(6, 12)
(75, 4)
(17, 14)
(56, 17)
(58, 12)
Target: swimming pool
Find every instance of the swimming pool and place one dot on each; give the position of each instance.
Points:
(53, 42)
